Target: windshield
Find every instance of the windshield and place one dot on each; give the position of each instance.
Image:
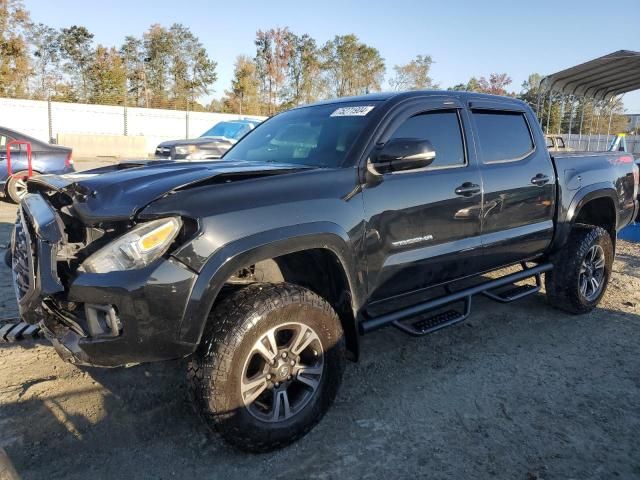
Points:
(319, 136)
(228, 130)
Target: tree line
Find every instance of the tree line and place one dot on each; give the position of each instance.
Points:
(168, 67)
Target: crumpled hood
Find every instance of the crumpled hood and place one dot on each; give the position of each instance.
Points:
(118, 192)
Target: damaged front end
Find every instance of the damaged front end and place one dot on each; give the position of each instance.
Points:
(96, 310)
(106, 319)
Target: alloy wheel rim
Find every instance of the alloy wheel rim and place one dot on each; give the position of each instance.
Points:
(20, 187)
(592, 272)
(282, 372)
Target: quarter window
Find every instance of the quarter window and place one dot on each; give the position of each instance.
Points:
(503, 136)
(442, 129)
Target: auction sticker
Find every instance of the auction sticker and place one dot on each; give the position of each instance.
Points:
(359, 111)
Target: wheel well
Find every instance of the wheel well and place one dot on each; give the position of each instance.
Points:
(320, 271)
(600, 212)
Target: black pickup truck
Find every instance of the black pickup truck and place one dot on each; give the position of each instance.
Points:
(324, 223)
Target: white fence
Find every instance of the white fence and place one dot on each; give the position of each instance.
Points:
(45, 120)
(598, 143)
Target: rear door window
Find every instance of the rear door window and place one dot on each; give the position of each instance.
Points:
(504, 136)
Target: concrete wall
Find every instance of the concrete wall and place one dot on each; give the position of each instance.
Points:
(117, 146)
(154, 125)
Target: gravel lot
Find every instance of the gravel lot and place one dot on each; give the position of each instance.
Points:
(517, 392)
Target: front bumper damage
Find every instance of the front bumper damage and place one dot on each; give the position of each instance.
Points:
(108, 319)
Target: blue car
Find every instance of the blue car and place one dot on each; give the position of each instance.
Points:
(45, 158)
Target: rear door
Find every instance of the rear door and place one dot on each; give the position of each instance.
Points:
(519, 183)
(423, 226)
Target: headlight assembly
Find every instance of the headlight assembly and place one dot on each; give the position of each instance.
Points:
(135, 249)
(185, 149)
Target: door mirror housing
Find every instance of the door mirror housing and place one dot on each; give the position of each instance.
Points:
(403, 154)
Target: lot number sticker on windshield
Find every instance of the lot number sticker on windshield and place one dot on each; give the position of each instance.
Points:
(359, 111)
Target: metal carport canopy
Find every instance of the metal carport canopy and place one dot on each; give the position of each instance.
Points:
(600, 79)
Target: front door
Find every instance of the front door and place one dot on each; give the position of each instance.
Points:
(423, 226)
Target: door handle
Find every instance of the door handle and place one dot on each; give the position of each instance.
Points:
(467, 189)
(540, 179)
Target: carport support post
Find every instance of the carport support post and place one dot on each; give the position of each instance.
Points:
(598, 127)
(538, 114)
(549, 114)
(561, 115)
(611, 103)
(572, 103)
(593, 107)
(581, 122)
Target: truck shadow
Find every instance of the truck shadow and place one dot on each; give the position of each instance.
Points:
(138, 422)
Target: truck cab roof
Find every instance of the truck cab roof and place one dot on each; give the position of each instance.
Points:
(394, 97)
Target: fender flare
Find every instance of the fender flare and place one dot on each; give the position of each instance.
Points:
(583, 196)
(252, 249)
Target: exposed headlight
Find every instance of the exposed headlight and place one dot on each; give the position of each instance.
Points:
(185, 149)
(136, 248)
(202, 155)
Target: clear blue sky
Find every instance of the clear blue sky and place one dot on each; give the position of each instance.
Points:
(465, 38)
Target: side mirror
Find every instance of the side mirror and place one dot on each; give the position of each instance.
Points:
(402, 154)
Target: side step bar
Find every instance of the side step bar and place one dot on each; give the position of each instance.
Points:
(396, 318)
(515, 292)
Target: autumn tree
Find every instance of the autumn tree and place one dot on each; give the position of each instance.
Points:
(305, 80)
(177, 66)
(106, 77)
(351, 67)
(157, 45)
(243, 96)
(76, 48)
(413, 75)
(45, 43)
(132, 54)
(192, 71)
(496, 84)
(274, 50)
(14, 51)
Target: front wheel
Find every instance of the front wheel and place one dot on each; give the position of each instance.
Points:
(581, 270)
(269, 365)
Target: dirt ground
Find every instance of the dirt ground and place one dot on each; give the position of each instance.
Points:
(516, 392)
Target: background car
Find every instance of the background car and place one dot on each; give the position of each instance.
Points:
(211, 144)
(45, 158)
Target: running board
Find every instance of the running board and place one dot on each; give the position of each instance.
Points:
(433, 323)
(514, 292)
(399, 318)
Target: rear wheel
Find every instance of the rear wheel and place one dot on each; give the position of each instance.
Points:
(269, 365)
(581, 270)
(17, 186)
